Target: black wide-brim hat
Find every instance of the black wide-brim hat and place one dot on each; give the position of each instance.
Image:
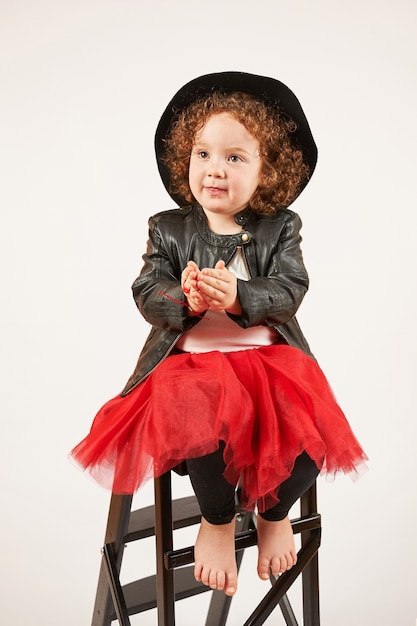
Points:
(269, 90)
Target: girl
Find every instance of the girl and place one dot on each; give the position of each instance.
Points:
(226, 379)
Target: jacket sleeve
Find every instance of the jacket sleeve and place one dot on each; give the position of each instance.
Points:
(157, 290)
(273, 299)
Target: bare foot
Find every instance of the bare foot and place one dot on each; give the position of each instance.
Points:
(215, 561)
(276, 547)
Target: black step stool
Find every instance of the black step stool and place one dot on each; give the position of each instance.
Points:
(170, 584)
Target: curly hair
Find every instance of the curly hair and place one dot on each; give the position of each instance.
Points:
(283, 168)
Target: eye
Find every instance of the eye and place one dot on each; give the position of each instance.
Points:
(234, 158)
(202, 154)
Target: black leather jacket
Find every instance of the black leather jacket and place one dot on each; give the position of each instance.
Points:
(271, 249)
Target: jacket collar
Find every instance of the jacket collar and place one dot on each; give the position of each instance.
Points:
(224, 241)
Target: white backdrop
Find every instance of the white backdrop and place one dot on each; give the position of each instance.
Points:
(83, 83)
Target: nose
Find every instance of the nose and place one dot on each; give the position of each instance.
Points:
(215, 169)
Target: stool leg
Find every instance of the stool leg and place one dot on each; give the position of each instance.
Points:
(165, 593)
(310, 575)
(117, 525)
(119, 601)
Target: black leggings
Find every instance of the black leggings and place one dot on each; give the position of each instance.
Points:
(216, 496)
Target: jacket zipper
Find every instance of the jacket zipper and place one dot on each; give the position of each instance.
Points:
(245, 263)
(156, 365)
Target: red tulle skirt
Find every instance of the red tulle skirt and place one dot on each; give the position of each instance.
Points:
(268, 405)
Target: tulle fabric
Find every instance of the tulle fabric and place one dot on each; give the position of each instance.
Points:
(268, 405)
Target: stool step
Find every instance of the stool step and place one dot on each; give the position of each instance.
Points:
(141, 595)
(185, 512)
(124, 525)
(243, 540)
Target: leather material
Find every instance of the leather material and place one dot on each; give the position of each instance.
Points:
(271, 249)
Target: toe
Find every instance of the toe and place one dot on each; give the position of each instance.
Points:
(197, 572)
(220, 581)
(230, 586)
(291, 560)
(263, 569)
(276, 566)
(205, 576)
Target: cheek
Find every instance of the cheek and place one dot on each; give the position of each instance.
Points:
(193, 179)
(193, 171)
(255, 180)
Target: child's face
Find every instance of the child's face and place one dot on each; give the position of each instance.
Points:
(225, 165)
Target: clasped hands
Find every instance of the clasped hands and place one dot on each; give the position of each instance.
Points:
(210, 288)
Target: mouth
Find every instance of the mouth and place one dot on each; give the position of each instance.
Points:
(215, 191)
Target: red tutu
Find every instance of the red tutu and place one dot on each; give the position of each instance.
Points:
(268, 405)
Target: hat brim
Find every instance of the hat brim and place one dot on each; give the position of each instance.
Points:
(269, 90)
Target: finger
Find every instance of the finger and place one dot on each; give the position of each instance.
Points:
(184, 282)
(193, 266)
(223, 284)
(188, 279)
(210, 288)
(216, 272)
(216, 299)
